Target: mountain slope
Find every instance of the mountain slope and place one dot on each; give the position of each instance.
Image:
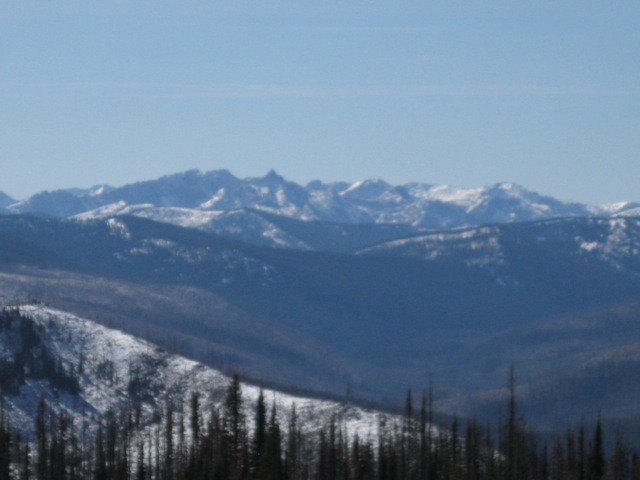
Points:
(198, 323)
(105, 370)
(612, 241)
(569, 366)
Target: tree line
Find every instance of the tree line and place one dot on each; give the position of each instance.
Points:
(231, 444)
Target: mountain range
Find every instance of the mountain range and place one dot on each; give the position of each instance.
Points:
(363, 287)
(252, 209)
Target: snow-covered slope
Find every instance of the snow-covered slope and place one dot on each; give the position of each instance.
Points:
(106, 370)
(198, 199)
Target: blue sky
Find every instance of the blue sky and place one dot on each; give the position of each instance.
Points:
(545, 94)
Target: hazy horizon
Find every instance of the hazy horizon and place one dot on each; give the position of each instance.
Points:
(542, 95)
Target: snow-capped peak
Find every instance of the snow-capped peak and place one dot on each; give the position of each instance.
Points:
(364, 201)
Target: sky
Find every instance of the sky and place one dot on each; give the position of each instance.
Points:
(544, 94)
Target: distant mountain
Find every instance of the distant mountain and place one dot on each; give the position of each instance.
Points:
(496, 248)
(5, 200)
(451, 304)
(87, 370)
(265, 229)
(206, 201)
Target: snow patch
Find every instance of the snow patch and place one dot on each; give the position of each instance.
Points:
(118, 228)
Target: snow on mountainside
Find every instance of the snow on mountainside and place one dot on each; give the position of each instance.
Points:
(204, 195)
(244, 225)
(618, 244)
(613, 241)
(480, 246)
(104, 369)
(620, 208)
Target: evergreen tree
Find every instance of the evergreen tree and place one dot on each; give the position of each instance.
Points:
(581, 455)
(168, 444)
(597, 456)
(472, 451)
(195, 419)
(511, 434)
(619, 463)
(42, 471)
(5, 446)
(234, 431)
(259, 435)
(294, 446)
(271, 460)
(100, 464)
(141, 471)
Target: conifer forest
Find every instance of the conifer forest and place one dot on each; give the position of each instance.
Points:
(229, 445)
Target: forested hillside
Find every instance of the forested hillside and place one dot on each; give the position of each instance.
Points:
(153, 431)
